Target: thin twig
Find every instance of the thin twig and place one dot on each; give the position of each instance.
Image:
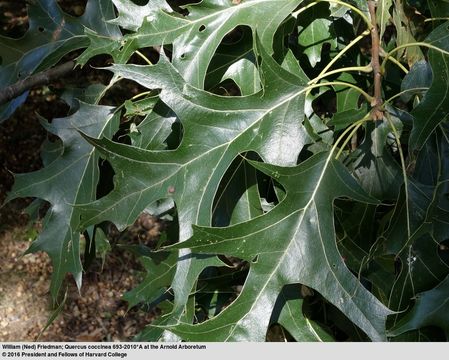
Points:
(376, 104)
(39, 79)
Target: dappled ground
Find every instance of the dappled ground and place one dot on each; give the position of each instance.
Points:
(97, 313)
(24, 284)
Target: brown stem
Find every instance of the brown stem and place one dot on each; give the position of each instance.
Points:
(376, 104)
(39, 79)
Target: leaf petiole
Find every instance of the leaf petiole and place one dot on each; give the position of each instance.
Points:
(144, 57)
(404, 174)
(404, 92)
(394, 61)
(400, 47)
(437, 19)
(352, 129)
(138, 96)
(368, 97)
(365, 69)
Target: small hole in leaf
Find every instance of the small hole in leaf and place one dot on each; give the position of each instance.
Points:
(202, 28)
(255, 260)
(182, 56)
(122, 44)
(41, 29)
